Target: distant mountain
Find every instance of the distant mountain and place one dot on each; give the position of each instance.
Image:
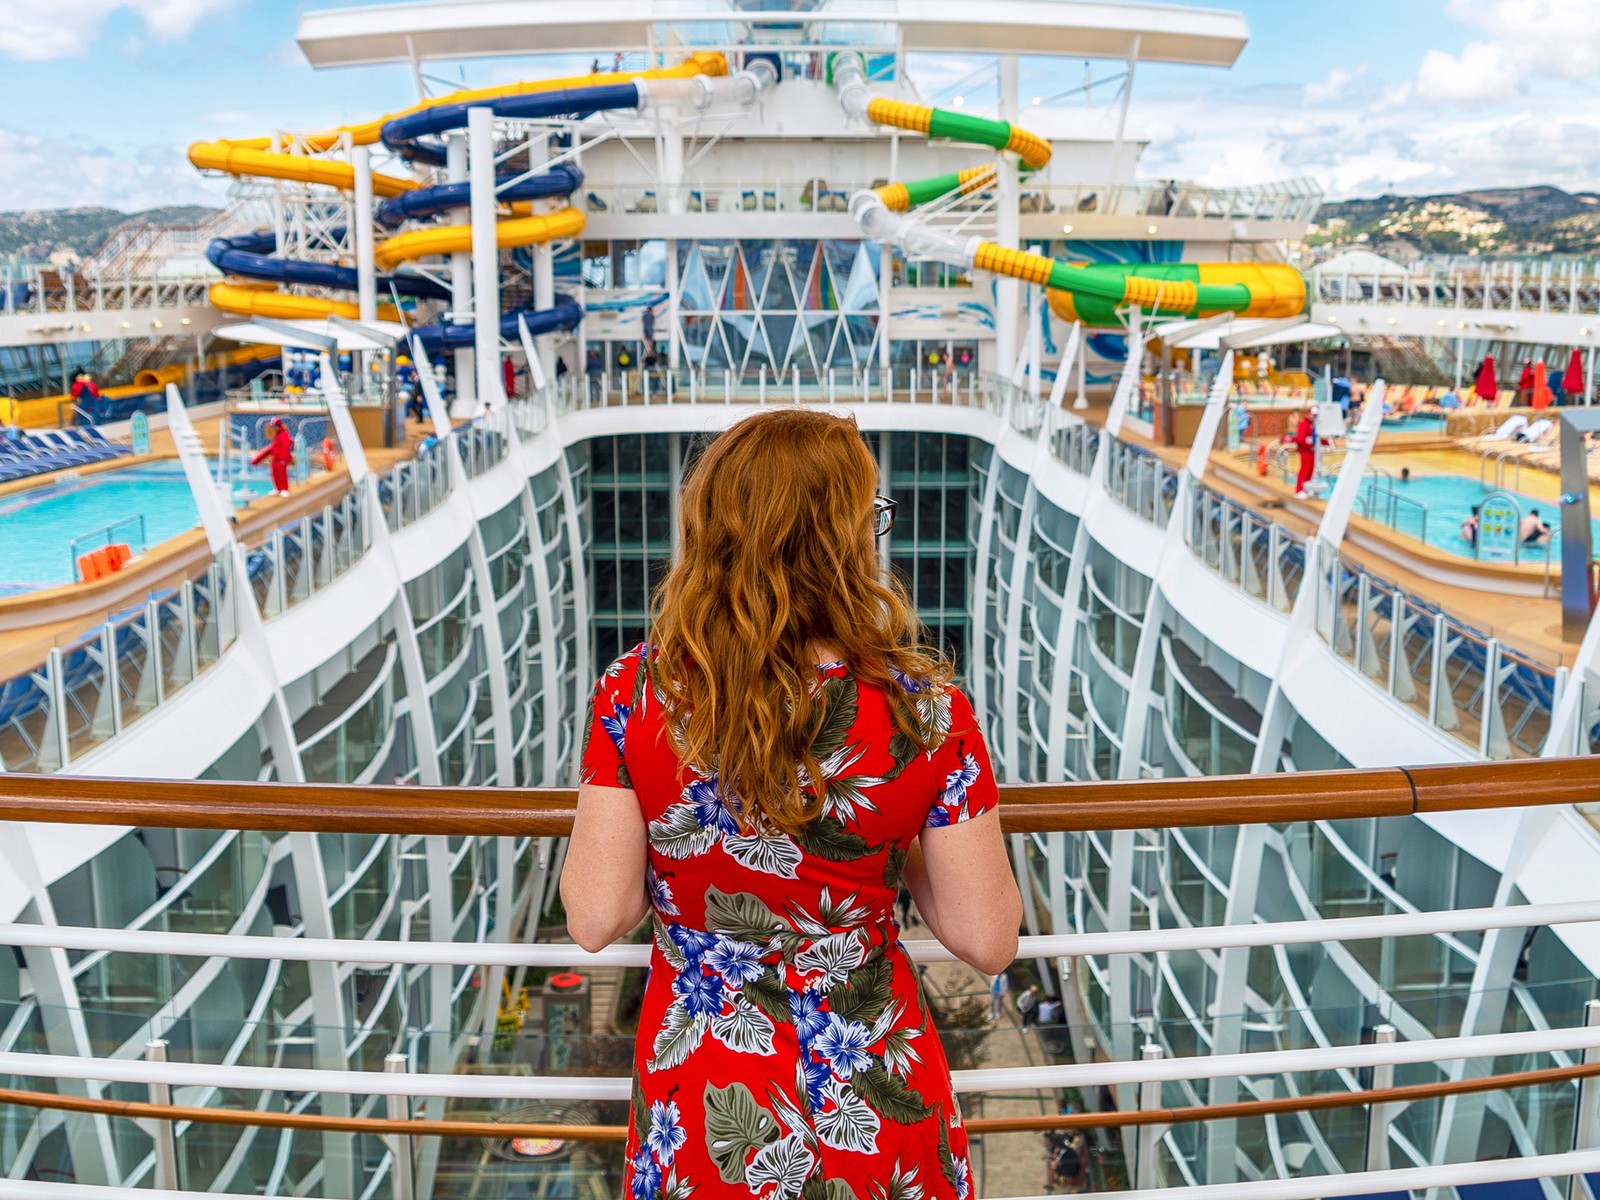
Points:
(62, 235)
(1494, 221)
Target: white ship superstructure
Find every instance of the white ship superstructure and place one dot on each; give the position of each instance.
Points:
(724, 216)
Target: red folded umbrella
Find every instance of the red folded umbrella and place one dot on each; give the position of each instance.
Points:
(1542, 395)
(1572, 378)
(1525, 380)
(1487, 386)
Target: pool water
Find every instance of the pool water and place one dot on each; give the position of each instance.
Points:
(37, 527)
(1414, 423)
(1432, 507)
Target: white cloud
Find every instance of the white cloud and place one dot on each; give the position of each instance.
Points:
(1523, 40)
(38, 30)
(1482, 72)
(1334, 87)
(42, 172)
(1362, 150)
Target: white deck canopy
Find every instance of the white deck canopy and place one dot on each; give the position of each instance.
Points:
(329, 333)
(384, 33)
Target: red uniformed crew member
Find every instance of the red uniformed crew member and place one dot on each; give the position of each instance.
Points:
(281, 451)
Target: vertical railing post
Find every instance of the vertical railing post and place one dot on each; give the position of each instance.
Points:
(1379, 1116)
(1443, 705)
(166, 1148)
(1396, 639)
(1275, 588)
(1149, 1136)
(108, 708)
(55, 678)
(402, 1186)
(1584, 1132)
(1363, 598)
(761, 386)
(1491, 729)
(152, 687)
(280, 588)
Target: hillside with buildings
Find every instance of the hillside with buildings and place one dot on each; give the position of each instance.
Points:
(66, 235)
(1492, 222)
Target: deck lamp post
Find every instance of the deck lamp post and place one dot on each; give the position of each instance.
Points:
(1577, 551)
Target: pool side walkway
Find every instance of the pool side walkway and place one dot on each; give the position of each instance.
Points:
(33, 623)
(1529, 624)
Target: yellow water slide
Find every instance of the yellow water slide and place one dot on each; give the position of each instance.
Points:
(560, 225)
(266, 158)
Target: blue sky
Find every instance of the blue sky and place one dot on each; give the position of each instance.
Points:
(99, 98)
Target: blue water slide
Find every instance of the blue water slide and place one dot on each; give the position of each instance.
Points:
(403, 133)
(250, 255)
(560, 180)
(565, 313)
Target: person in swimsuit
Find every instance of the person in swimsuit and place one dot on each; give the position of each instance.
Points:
(758, 779)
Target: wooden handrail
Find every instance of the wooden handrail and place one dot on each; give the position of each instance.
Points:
(1025, 808)
(143, 1110)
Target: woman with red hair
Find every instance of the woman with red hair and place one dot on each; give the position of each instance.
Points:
(758, 779)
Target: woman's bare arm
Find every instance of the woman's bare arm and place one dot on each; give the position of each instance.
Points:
(602, 881)
(964, 889)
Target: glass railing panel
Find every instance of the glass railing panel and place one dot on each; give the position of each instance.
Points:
(87, 691)
(1376, 633)
(347, 751)
(1255, 555)
(1344, 607)
(261, 570)
(28, 739)
(1522, 702)
(1419, 645)
(1464, 681)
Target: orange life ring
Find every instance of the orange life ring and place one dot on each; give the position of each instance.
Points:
(1261, 459)
(330, 455)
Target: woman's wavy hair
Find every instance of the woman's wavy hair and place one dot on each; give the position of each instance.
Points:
(776, 555)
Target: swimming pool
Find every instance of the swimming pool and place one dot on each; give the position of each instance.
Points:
(1414, 423)
(37, 527)
(1432, 508)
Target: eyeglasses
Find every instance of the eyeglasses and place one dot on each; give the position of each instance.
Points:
(883, 515)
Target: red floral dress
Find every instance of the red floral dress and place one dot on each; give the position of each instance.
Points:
(784, 1050)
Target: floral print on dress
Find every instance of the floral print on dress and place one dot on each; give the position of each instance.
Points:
(784, 1051)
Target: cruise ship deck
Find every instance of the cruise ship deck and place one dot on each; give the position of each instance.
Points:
(1299, 782)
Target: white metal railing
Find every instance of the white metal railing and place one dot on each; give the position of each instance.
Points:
(554, 954)
(297, 560)
(1141, 481)
(1569, 287)
(1496, 699)
(1250, 551)
(1142, 1079)
(413, 488)
(40, 291)
(1293, 201)
(90, 688)
(760, 384)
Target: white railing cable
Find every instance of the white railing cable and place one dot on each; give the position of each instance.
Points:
(1366, 1183)
(1316, 1187)
(562, 954)
(618, 1087)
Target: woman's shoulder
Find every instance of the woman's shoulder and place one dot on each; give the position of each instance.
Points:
(624, 671)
